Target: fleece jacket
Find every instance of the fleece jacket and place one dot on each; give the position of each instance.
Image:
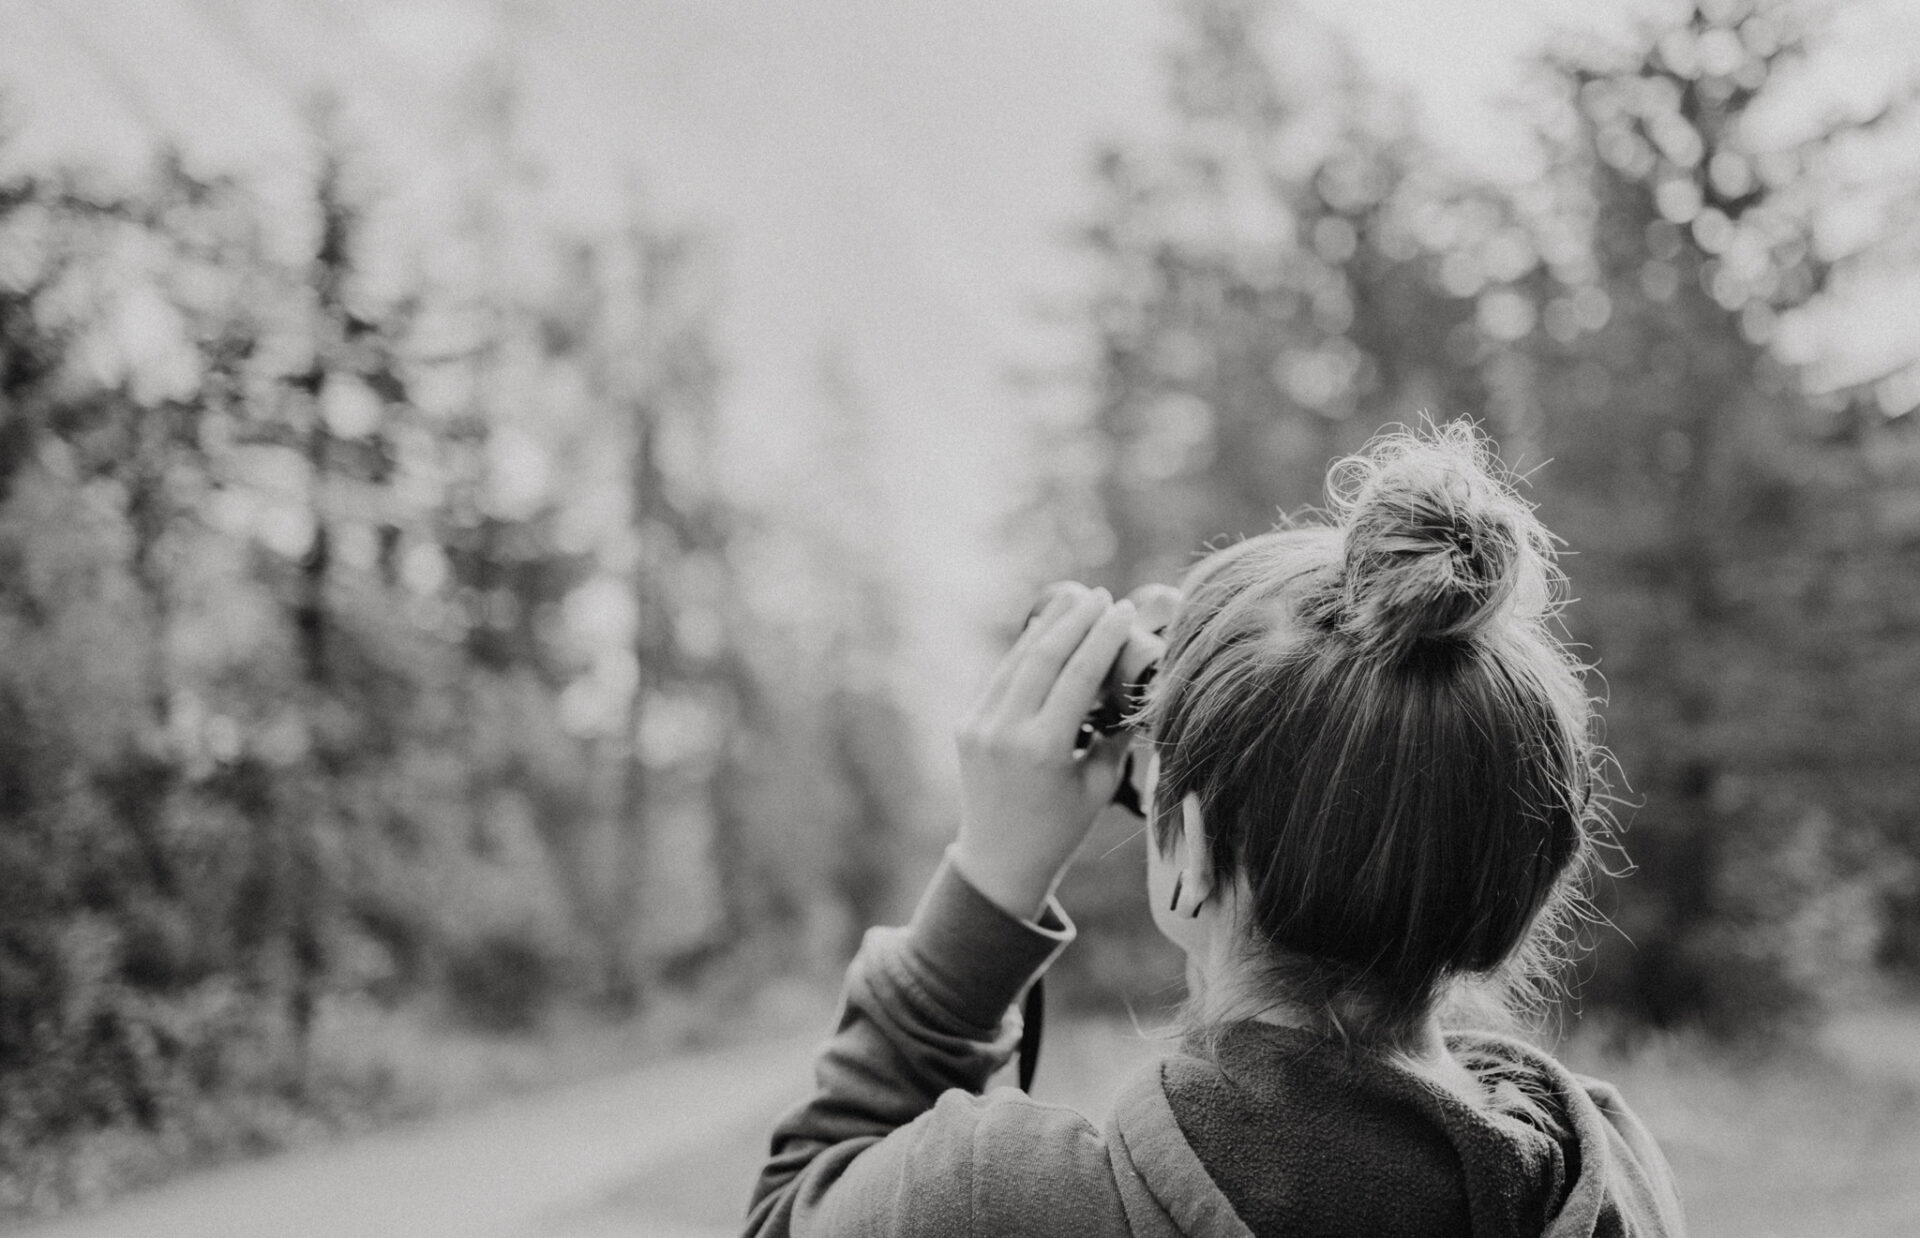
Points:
(1260, 1131)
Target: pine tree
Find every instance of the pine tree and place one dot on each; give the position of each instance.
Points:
(1293, 268)
(1731, 565)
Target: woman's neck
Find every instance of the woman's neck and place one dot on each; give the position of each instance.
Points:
(1225, 989)
(1223, 994)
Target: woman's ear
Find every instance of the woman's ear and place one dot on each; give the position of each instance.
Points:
(1196, 877)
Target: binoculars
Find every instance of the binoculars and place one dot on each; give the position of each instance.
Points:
(1123, 691)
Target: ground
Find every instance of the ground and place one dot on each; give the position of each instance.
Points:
(1824, 1143)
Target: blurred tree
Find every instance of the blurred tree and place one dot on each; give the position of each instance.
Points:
(1733, 551)
(869, 737)
(1291, 254)
(374, 626)
(128, 921)
(692, 708)
(1262, 274)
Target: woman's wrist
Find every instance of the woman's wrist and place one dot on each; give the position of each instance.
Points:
(1019, 890)
(968, 955)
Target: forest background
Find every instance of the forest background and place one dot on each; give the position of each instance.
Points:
(387, 639)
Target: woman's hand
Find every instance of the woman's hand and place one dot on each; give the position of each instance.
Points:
(1027, 799)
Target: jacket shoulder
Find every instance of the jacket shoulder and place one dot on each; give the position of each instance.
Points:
(1166, 1191)
(974, 1165)
(1040, 1167)
(1625, 1185)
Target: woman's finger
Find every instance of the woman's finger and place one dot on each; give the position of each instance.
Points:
(1036, 669)
(1077, 685)
(1158, 605)
(1055, 602)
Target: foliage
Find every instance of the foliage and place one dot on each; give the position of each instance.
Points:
(316, 686)
(1734, 550)
(1292, 268)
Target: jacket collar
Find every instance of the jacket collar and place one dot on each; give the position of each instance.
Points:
(1621, 1183)
(1167, 1192)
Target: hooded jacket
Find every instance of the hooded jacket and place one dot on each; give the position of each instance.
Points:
(1264, 1131)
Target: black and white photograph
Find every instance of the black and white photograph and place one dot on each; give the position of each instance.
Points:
(952, 618)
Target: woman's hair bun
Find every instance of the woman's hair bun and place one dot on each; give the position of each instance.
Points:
(1436, 543)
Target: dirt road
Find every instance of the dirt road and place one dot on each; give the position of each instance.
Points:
(666, 1151)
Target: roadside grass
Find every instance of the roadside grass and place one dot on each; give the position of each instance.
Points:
(1822, 1140)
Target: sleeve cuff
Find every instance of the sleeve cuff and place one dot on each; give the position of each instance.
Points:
(972, 955)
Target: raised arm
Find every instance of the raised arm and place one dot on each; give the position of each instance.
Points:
(886, 1145)
(928, 1008)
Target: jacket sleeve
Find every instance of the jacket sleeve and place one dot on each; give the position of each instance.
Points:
(896, 1138)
